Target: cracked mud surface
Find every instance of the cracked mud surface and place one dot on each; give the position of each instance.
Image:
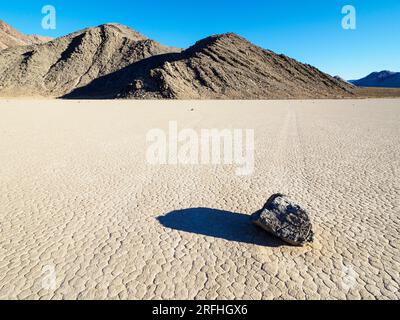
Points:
(76, 193)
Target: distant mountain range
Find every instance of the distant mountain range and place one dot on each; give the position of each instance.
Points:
(114, 61)
(10, 37)
(384, 79)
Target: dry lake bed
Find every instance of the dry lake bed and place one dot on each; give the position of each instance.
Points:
(85, 215)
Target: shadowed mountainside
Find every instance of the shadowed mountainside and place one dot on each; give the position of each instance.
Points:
(58, 67)
(218, 67)
(114, 61)
(383, 79)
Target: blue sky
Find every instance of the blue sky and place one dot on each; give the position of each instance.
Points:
(307, 30)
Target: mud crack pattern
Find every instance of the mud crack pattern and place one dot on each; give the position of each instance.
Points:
(76, 193)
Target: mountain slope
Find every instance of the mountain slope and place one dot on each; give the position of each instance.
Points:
(60, 66)
(218, 67)
(114, 61)
(342, 80)
(385, 79)
(10, 37)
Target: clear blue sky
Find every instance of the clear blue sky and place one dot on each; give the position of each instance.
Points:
(308, 30)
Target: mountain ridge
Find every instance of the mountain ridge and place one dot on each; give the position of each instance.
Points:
(10, 37)
(383, 79)
(55, 68)
(114, 61)
(228, 66)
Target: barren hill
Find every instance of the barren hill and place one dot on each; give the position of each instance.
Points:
(228, 66)
(383, 79)
(219, 67)
(113, 61)
(58, 67)
(10, 37)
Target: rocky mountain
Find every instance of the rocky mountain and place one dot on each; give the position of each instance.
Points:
(10, 37)
(384, 79)
(219, 67)
(341, 79)
(113, 61)
(60, 66)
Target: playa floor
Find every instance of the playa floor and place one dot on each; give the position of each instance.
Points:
(83, 215)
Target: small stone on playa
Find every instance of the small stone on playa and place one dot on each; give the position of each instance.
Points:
(285, 219)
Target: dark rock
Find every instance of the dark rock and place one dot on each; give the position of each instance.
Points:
(138, 84)
(285, 219)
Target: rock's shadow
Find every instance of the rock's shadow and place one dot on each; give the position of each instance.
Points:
(219, 224)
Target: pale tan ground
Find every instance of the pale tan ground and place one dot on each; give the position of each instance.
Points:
(76, 192)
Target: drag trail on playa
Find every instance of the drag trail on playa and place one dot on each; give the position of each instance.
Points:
(77, 194)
